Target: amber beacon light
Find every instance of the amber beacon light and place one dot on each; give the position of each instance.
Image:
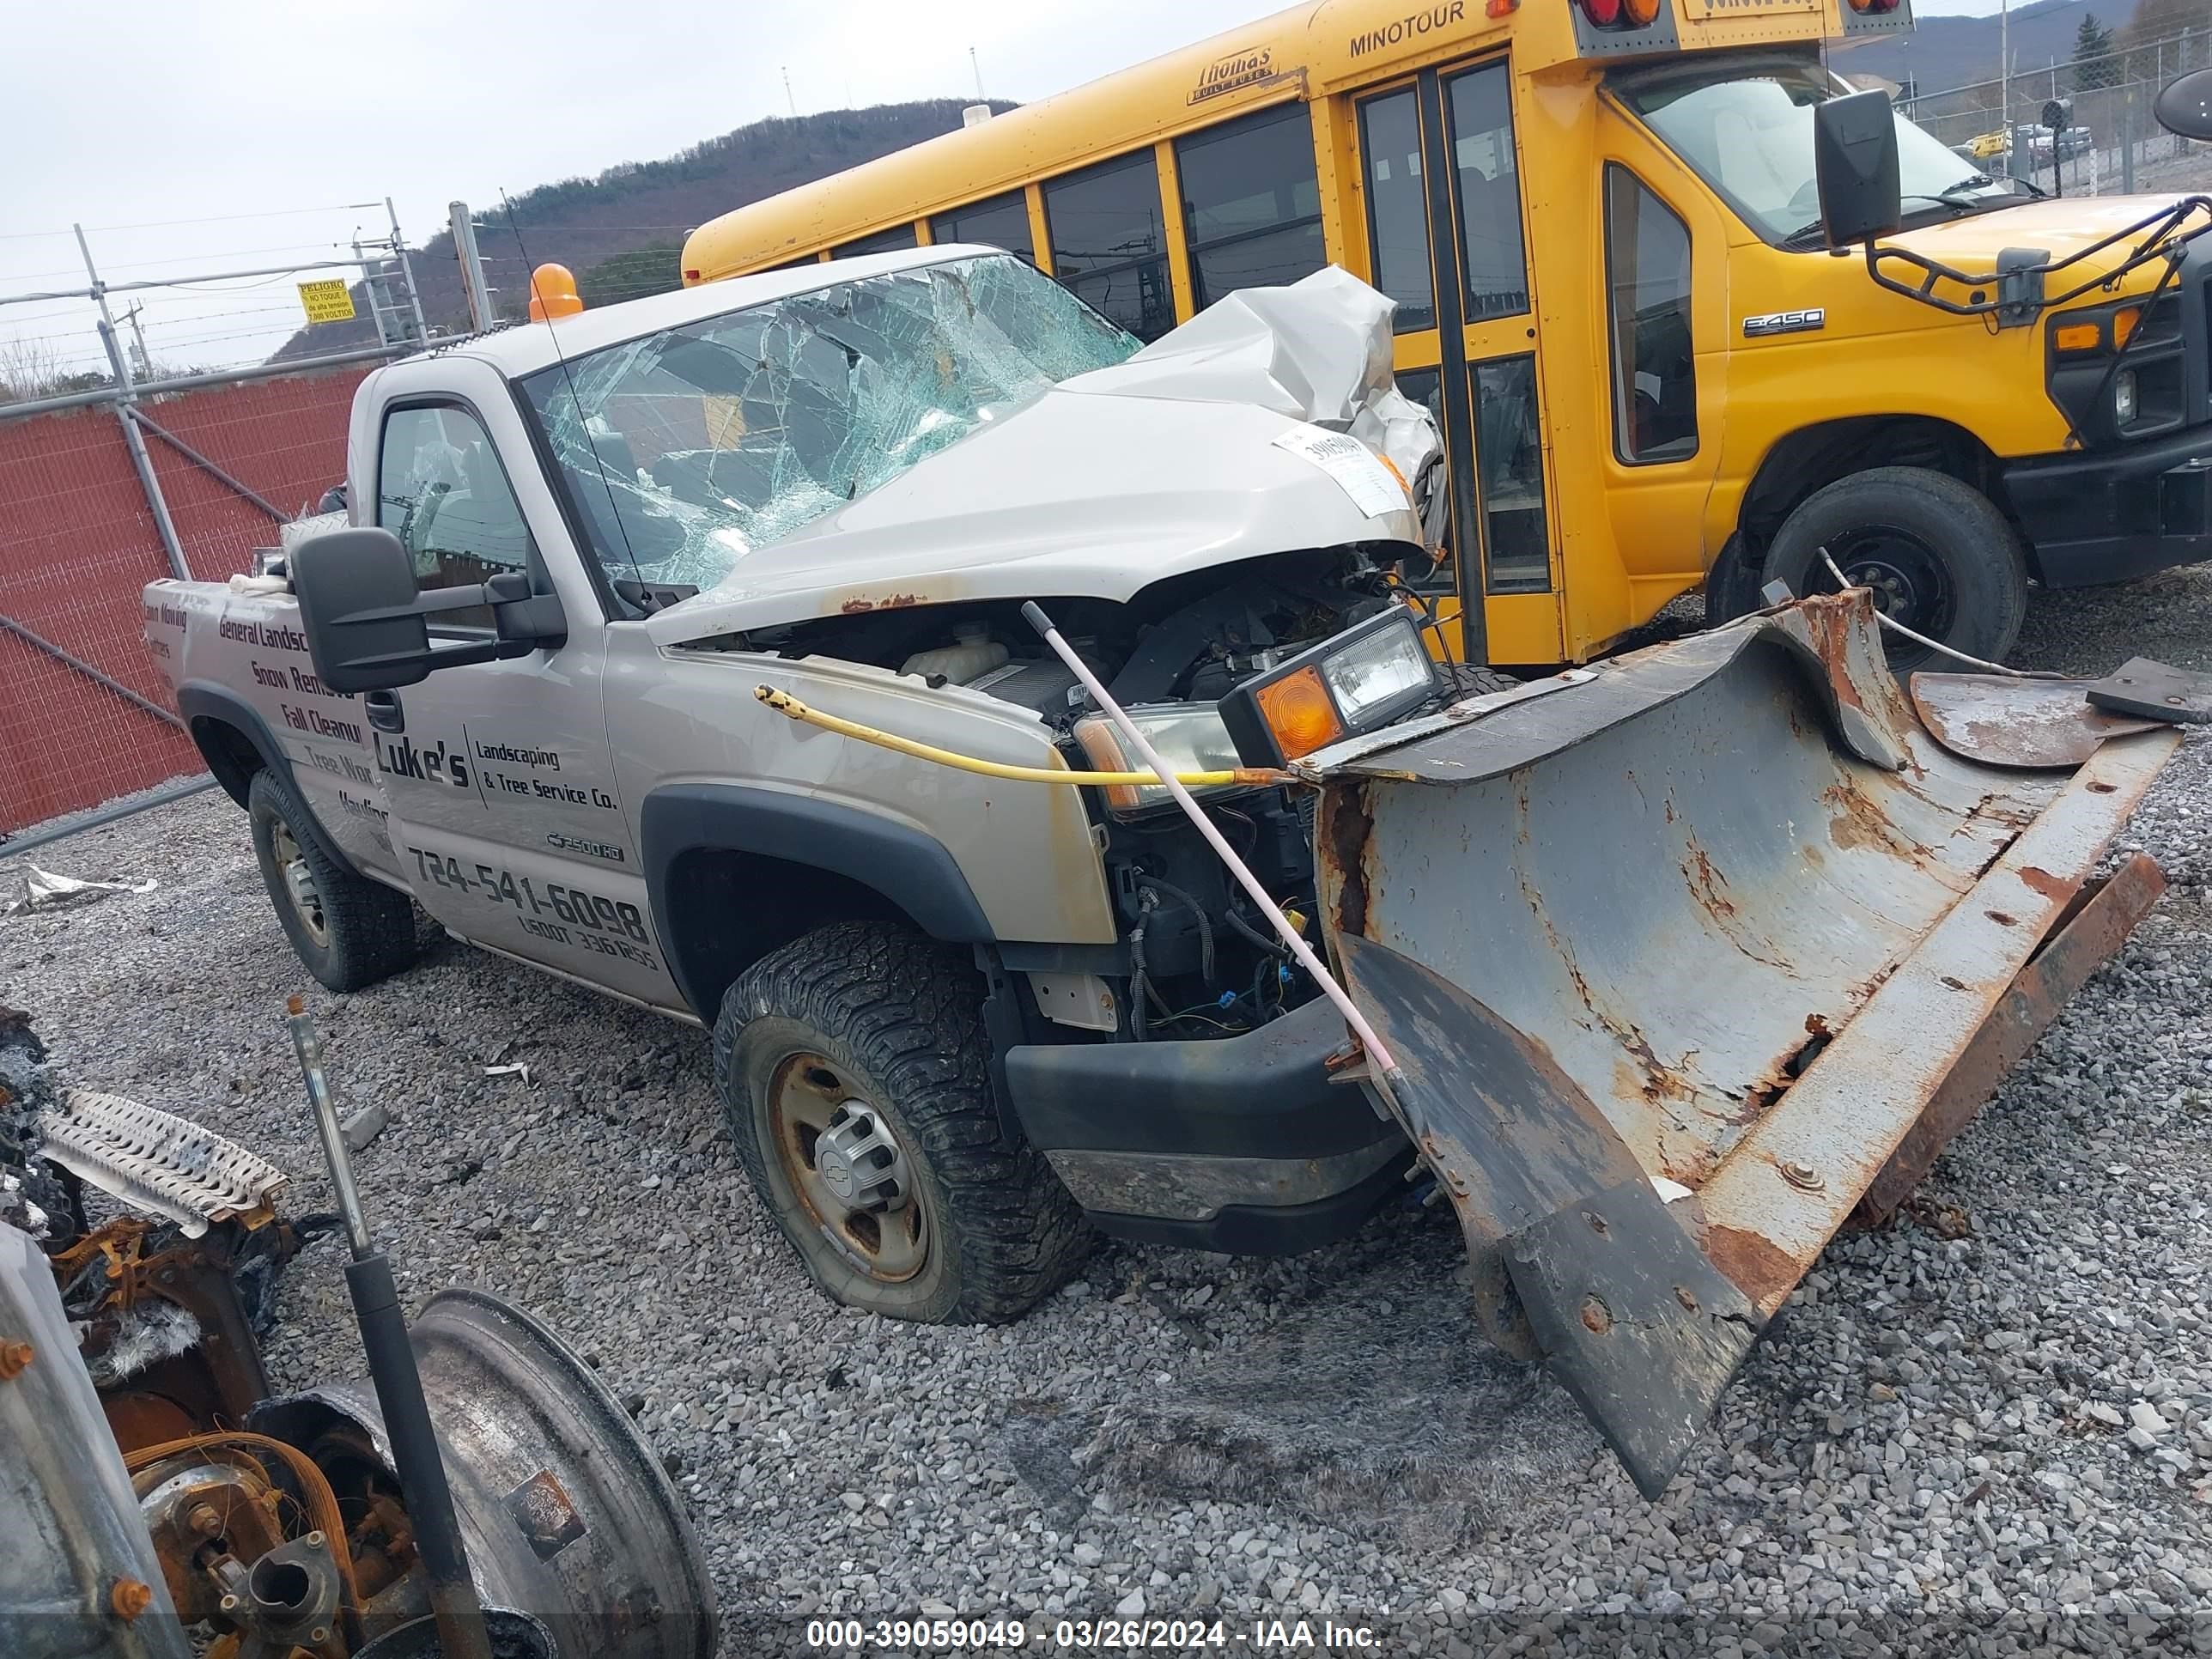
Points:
(553, 293)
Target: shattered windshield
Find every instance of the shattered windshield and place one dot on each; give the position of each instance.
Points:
(686, 449)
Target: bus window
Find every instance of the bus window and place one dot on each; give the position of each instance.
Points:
(1251, 202)
(1001, 222)
(883, 242)
(1508, 444)
(1647, 273)
(1109, 242)
(1397, 211)
(1489, 186)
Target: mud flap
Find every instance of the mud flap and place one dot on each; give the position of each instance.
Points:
(1721, 923)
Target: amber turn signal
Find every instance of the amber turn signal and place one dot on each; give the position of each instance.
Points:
(1299, 713)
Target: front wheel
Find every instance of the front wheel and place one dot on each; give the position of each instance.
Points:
(1935, 553)
(855, 1074)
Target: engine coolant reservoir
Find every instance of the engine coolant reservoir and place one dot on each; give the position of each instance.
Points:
(973, 652)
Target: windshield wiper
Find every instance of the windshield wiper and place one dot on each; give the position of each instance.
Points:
(1808, 234)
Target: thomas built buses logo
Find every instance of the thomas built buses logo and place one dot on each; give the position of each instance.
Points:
(1238, 69)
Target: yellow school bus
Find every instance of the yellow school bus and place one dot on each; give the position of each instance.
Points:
(1602, 226)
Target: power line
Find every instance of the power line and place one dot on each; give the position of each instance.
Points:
(227, 218)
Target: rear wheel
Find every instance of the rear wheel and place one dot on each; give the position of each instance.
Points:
(1935, 554)
(855, 1075)
(347, 930)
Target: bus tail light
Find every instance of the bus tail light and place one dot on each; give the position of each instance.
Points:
(1873, 8)
(1622, 14)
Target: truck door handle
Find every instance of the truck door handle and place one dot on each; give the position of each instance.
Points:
(384, 711)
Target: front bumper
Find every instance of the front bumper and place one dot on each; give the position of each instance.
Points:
(1241, 1145)
(2104, 515)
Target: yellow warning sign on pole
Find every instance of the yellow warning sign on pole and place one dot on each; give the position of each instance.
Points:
(328, 302)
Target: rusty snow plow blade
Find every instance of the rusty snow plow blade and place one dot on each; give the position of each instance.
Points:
(1683, 962)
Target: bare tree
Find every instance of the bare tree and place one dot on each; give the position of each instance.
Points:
(29, 366)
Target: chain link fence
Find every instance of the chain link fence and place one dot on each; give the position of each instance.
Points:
(144, 433)
(2108, 144)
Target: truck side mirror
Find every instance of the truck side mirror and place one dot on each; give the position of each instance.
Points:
(366, 618)
(2183, 108)
(1855, 168)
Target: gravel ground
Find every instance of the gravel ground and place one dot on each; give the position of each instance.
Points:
(1985, 1428)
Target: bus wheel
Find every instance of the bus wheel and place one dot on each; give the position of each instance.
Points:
(1937, 555)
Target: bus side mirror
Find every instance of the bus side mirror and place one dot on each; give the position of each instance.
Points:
(2185, 106)
(1854, 166)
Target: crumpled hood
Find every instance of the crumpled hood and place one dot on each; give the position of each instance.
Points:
(1200, 450)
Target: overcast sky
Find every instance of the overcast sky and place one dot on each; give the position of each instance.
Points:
(129, 113)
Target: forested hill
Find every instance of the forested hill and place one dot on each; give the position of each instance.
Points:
(620, 232)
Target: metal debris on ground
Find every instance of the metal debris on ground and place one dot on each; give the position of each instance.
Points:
(157, 1162)
(2155, 690)
(42, 889)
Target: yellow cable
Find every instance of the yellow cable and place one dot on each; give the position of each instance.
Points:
(784, 703)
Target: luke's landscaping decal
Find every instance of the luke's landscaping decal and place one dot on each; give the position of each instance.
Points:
(489, 770)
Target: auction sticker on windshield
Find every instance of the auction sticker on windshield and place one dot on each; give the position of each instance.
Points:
(1359, 471)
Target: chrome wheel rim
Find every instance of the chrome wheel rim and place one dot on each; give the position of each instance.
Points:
(299, 882)
(841, 1157)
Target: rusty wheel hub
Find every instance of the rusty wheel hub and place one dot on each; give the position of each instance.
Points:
(845, 1164)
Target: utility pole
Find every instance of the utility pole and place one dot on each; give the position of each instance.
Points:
(978, 69)
(407, 274)
(473, 277)
(791, 101)
(2004, 70)
(143, 359)
(133, 439)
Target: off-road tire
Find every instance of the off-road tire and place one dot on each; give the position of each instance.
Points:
(1465, 679)
(902, 1015)
(368, 928)
(1979, 552)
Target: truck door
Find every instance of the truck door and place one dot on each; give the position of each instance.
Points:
(506, 815)
(1446, 240)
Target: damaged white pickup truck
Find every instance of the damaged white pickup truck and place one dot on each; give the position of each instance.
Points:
(975, 980)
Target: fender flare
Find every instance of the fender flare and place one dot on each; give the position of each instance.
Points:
(907, 866)
(204, 700)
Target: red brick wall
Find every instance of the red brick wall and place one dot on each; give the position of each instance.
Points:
(77, 542)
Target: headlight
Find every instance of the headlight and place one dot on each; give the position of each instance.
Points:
(1378, 674)
(1366, 676)
(1189, 737)
(2123, 396)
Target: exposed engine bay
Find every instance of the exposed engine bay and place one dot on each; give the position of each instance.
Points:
(1197, 958)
